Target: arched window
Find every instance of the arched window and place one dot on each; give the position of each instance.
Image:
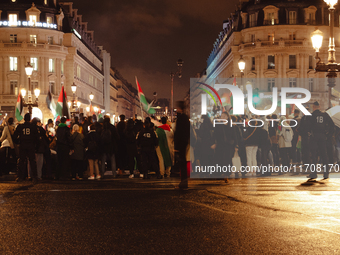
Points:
(271, 15)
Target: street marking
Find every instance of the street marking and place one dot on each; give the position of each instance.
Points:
(322, 229)
(211, 207)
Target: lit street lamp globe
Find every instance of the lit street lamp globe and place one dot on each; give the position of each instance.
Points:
(241, 64)
(317, 37)
(29, 69)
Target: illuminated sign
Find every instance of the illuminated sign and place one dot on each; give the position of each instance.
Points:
(77, 34)
(27, 24)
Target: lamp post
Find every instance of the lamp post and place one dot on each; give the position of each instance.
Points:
(30, 104)
(172, 75)
(91, 96)
(74, 103)
(331, 67)
(241, 65)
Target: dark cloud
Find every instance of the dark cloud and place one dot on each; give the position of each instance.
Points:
(146, 37)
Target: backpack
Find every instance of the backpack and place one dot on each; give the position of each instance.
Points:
(105, 137)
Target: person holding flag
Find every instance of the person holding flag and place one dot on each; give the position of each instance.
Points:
(144, 103)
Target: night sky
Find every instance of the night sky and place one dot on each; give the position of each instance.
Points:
(146, 37)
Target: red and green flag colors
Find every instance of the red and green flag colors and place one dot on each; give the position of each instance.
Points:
(62, 107)
(50, 103)
(146, 106)
(19, 108)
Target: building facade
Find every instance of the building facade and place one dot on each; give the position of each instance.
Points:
(53, 37)
(274, 39)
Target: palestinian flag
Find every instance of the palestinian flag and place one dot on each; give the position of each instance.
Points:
(91, 109)
(50, 103)
(19, 108)
(62, 107)
(147, 107)
(100, 115)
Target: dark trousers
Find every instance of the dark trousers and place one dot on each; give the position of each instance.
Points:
(284, 153)
(276, 155)
(48, 163)
(63, 162)
(319, 145)
(77, 168)
(305, 150)
(182, 163)
(293, 151)
(4, 160)
(131, 155)
(27, 151)
(149, 160)
(264, 155)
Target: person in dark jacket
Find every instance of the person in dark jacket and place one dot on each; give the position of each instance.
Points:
(108, 145)
(264, 146)
(92, 142)
(295, 154)
(182, 141)
(131, 145)
(273, 131)
(63, 148)
(77, 153)
(224, 144)
(147, 141)
(204, 152)
(27, 135)
(122, 152)
(85, 125)
(322, 127)
(41, 146)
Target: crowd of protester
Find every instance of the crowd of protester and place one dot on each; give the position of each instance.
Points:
(301, 140)
(72, 150)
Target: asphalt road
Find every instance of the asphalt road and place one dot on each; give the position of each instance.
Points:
(123, 216)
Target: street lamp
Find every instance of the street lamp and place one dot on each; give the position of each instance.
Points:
(241, 65)
(74, 106)
(91, 96)
(30, 104)
(331, 67)
(172, 75)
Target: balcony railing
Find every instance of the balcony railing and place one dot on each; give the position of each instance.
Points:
(251, 45)
(294, 43)
(269, 43)
(311, 22)
(34, 46)
(269, 22)
(253, 23)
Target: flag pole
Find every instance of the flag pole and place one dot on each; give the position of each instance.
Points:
(140, 103)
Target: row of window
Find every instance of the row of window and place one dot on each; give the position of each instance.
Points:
(14, 88)
(271, 16)
(45, 1)
(292, 62)
(32, 18)
(13, 38)
(271, 37)
(13, 64)
(92, 81)
(292, 83)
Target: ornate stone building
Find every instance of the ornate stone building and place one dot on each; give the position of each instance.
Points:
(273, 37)
(53, 37)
